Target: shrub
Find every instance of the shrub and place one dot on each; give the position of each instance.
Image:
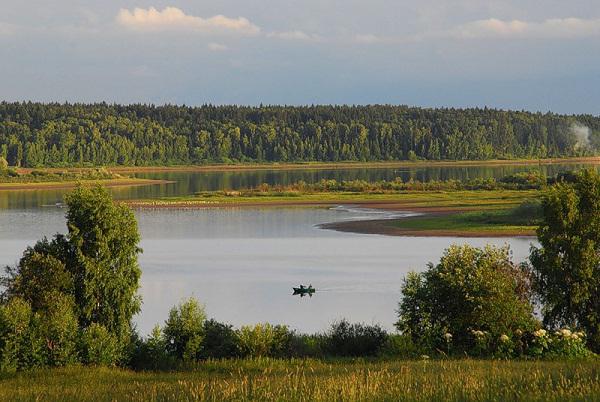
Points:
(220, 341)
(21, 343)
(59, 327)
(401, 346)
(345, 339)
(264, 340)
(151, 353)
(184, 330)
(99, 346)
(470, 290)
(562, 343)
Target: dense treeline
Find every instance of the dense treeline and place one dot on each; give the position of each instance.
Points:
(36, 135)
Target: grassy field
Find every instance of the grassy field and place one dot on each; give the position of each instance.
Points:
(310, 380)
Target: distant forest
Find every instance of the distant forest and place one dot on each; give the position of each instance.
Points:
(38, 135)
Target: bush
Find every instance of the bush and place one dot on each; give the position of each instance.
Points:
(220, 341)
(21, 344)
(345, 339)
(470, 290)
(563, 343)
(184, 330)
(59, 327)
(98, 346)
(264, 340)
(401, 346)
(151, 353)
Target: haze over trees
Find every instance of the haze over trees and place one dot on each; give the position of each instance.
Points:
(37, 135)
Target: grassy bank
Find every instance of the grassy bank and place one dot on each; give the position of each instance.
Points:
(310, 380)
(12, 179)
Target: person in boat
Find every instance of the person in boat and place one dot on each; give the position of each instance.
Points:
(303, 290)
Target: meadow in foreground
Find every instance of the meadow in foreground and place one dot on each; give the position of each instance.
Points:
(312, 380)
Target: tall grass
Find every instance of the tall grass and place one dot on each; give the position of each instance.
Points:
(311, 380)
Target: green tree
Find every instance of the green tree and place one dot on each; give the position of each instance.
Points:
(104, 245)
(184, 330)
(566, 266)
(470, 289)
(99, 346)
(90, 276)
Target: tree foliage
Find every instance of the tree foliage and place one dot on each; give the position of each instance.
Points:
(84, 283)
(36, 135)
(104, 246)
(566, 266)
(470, 289)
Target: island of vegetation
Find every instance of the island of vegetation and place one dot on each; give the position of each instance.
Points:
(466, 326)
(36, 179)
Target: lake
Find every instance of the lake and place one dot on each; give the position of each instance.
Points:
(242, 262)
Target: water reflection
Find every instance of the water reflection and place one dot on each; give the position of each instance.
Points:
(188, 183)
(242, 263)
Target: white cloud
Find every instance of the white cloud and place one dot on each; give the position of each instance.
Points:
(174, 19)
(293, 35)
(557, 28)
(551, 29)
(217, 47)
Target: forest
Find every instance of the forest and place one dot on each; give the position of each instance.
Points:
(62, 135)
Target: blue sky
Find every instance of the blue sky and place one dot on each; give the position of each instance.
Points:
(528, 54)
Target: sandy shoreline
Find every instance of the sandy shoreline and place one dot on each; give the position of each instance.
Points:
(372, 226)
(383, 227)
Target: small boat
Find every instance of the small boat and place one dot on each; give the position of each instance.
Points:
(304, 290)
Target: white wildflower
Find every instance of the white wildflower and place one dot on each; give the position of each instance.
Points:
(565, 333)
(504, 338)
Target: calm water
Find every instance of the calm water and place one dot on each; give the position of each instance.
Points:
(188, 183)
(242, 263)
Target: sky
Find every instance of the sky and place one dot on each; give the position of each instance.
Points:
(538, 55)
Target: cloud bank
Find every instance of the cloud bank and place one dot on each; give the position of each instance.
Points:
(493, 28)
(555, 28)
(174, 19)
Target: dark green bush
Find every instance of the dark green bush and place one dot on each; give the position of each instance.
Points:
(220, 341)
(345, 339)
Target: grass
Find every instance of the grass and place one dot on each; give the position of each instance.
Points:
(503, 221)
(480, 199)
(64, 184)
(311, 380)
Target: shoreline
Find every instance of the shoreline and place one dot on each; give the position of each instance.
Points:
(372, 226)
(384, 227)
(57, 185)
(327, 165)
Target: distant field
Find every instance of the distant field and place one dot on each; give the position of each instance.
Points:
(309, 380)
